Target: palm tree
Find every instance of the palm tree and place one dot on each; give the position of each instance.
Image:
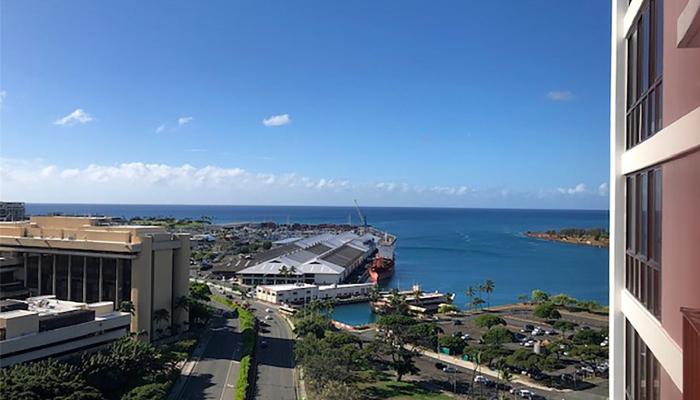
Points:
(505, 375)
(477, 366)
(127, 306)
(374, 293)
(470, 293)
(159, 316)
(284, 272)
(449, 297)
(477, 302)
(488, 287)
(417, 294)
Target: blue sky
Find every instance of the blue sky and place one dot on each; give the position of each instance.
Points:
(406, 103)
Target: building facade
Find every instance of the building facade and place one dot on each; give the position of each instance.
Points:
(89, 260)
(655, 200)
(302, 293)
(12, 211)
(42, 327)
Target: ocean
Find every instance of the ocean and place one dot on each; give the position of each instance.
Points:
(445, 249)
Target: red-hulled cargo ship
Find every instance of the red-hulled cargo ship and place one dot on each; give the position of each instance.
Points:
(382, 267)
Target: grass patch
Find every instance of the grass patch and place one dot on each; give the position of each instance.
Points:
(246, 324)
(401, 391)
(242, 384)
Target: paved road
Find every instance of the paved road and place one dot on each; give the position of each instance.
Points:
(276, 360)
(215, 375)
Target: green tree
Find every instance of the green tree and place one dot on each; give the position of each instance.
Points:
(267, 245)
(539, 296)
(588, 337)
(497, 335)
(128, 307)
(123, 365)
(149, 391)
(477, 302)
(563, 300)
(470, 294)
(564, 326)
(200, 291)
(48, 379)
(160, 316)
(488, 288)
(488, 321)
(453, 343)
(374, 294)
(546, 310)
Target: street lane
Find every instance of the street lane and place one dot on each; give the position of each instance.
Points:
(214, 375)
(276, 360)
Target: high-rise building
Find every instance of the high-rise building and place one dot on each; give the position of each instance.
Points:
(12, 211)
(91, 260)
(655, 200)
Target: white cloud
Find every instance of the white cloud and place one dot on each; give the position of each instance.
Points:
(153, 183)
(560, 95)
(578, 189)
(77, 116)
(603, 189)
(184, 120)
(277, 120)
(160, 128)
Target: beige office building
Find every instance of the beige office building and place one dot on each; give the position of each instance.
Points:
(91, 260)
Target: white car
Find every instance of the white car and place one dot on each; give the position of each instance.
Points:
(450, 370)
(525, 393)
(481, 379)
(268, 317)
(268, 310)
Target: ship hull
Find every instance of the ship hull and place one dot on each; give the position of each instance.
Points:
(381, 269)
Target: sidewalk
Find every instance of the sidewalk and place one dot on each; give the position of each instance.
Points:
(483, 370)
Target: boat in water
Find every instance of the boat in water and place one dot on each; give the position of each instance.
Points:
(382, 267)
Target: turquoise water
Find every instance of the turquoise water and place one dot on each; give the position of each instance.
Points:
(354, 314)
(442, 249)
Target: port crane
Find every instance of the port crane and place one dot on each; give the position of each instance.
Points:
(363, 219)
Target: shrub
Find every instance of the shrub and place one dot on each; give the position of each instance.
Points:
(447, 308)
(546, 311)
(539, 296)
(200, 291)
(147, 392)
(455, 344)
(488, 321)
(497, 335)
(588, 337)
(242, 384)
(47, 379)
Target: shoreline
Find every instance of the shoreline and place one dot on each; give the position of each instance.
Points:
(579, 240)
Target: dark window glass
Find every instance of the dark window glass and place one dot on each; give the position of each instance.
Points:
(32, 273)
(643, 260)
(644, 74)
(76, 281)
(658, 26)
(109, 275)
(125, 280)
(644, 214)
(642, 370)
(656, 236)
(46, 274)
(62, 277)
(93, 280)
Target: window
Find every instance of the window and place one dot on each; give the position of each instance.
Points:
(642, 370)
(643, 238)
(644, 74)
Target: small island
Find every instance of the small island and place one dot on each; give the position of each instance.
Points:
(596, 237)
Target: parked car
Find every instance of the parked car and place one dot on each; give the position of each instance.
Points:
(450, 370)
(268, 317)
(551, 332)
(457, 322)
(481, 379)
(268, 310)
(525, 393)
(440, 366)
(465, 337)
(527, 328)
(457, 334)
